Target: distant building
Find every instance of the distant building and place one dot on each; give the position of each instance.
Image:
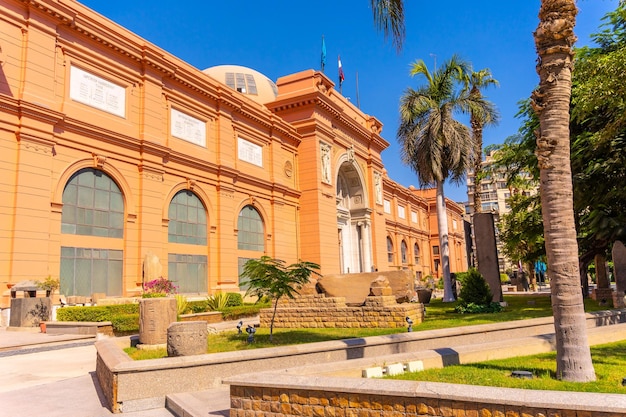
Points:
(113, 151)
(494, 196)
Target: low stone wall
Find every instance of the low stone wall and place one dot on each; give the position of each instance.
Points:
(279, 395)
(138, 385)
(80, 327)
(315, 311)
(209, 317)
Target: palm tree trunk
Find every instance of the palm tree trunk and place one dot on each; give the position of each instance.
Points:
(554, 39)
(444, 247)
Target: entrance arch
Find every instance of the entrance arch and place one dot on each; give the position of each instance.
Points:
(353, 220)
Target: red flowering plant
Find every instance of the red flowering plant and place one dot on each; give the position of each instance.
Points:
(160, 287)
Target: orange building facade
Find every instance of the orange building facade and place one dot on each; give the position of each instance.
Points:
(115, 154)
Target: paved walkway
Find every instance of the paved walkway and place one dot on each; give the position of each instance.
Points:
(54, 376)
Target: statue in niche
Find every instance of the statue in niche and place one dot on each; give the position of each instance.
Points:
(325, 150)
(378, 187)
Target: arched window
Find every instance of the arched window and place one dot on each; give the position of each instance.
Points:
(186, 266)
(187, 217)
(389, 250)
(404, 249)
(250, 234)
(250, 237)
(93, 206)
(416, 254)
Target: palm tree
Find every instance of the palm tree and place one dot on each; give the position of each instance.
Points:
(477, 81)
(554, 39)
(435, 145)
(389, 18)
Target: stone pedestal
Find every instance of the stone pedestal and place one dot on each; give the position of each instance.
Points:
(187, 338)
(619, 269)
(155, 316)
(29, 312)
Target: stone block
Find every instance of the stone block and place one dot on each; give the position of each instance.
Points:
(394, 369)
(375, 372)
(415, 366)
(187, 338)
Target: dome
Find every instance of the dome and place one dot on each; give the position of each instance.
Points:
(245, 80)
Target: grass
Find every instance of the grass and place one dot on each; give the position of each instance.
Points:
(439, 315)
(609, 362)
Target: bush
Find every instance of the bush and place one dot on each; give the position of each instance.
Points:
(234, 299)
(242, 311)
(218, 301)
(474, 290)
(125, 323)
(475, 308)
(197, 307)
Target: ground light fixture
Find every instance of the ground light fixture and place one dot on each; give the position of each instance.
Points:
(239, 325)
(410, 323)
(251, 331)
(522, 374)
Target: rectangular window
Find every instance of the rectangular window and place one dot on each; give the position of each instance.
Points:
(240, 263)
(188, 272)
(414, 216)
(387, 206)
(435, 250)
(401, 212)
(85, 271)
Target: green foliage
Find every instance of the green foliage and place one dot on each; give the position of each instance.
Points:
(181, 304)
(474, 290)
(95, 313)
(244, 310)
(269, 277)
(471, 308)
(234, 299)
(153, 295)
(49, 284)
(218, 301)
(123, 317)
(504, 278)
(125, 323)
(197, 306)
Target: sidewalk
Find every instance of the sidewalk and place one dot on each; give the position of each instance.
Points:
(54, 376)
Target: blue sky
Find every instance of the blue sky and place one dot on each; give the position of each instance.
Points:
(280, 37)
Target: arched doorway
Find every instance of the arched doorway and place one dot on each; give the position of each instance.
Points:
(353, 220)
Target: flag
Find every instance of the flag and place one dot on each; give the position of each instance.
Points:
(341, 76)
(323, 54)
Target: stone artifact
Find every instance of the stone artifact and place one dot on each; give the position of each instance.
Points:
(380, 286)
(602, 280)
(356, 287)
(29, 310)
(152, 268)
(187, 338)
(155, 316)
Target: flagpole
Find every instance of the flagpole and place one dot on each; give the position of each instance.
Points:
(323, 58)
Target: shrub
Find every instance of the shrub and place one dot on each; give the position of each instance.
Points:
(181, 304)
(245, 310)
(218, 301)
(197, 306)
(476, 308)
(474, 290)
(123, 317)
(504, 279)
(159, 286)
(234, 299)
(125, 323)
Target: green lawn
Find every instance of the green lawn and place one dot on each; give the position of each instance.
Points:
(439, 315)
(609, 362)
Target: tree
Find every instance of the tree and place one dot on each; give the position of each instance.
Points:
(554, 39)
(269, 277)
(433, 143)
(389, 18)
(477, 81)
